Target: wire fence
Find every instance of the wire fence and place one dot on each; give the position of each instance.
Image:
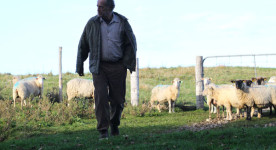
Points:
(251, 65)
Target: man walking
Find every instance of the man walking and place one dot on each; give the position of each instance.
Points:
(110, 43)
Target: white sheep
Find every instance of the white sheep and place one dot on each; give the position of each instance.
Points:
(211, 102)
(212, 108)
(261, 81)
(26, 87)
(166, 93)
(78, 87)
(258, 97)
(272, 79)
(223, 96)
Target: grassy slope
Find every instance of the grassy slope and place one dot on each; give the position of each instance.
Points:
(151, 131)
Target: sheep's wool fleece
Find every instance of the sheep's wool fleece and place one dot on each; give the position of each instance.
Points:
(26, 87)
(260, 96)
(164, 92)
(226, 96)
(80, 88)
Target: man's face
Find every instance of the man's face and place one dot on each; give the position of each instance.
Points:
(102, 9)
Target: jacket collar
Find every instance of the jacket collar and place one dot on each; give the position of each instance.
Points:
(115, 19)
(97, 17)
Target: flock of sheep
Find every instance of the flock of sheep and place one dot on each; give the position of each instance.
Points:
(242, 94)
(24, 88)
(77, 87)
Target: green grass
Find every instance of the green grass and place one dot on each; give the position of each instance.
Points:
(43, 125)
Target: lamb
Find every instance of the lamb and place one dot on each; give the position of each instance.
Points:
(25, 88)
(78, 87)
(166, 93)
(258, 97)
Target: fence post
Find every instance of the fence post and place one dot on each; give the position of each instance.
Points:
(199, 83)
(135, 85)
(60, 74)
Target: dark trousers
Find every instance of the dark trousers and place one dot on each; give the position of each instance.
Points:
(110, 91)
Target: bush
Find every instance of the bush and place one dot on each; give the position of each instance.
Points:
(53, 94)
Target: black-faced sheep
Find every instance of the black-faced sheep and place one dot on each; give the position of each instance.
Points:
(258, 97)
(261, 81)
(166, 93)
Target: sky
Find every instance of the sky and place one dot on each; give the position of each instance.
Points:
(169, 33)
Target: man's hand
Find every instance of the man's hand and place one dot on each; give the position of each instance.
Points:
(81, 73)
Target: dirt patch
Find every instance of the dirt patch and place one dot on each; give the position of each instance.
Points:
(208, 124)
(211, 124)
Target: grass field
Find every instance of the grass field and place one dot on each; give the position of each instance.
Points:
(45, 125)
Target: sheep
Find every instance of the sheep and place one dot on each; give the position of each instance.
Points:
(249, 84)
(210, 99)
(166, 93)
(261, 81)
(26, 87)
(258, 97)
(272, 79)
(223, 96)
(78, 87)
(212, 108)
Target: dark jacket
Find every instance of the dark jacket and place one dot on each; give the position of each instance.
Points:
(90, 43)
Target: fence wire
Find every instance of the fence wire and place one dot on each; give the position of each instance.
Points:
(239, 66)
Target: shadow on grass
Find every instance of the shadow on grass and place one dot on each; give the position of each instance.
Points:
(161, 132)
(150, 137)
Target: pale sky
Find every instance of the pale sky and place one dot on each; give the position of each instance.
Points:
(169, 33)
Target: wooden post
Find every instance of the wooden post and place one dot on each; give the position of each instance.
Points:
(60, 74)
(199, 83)
(135, 85)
